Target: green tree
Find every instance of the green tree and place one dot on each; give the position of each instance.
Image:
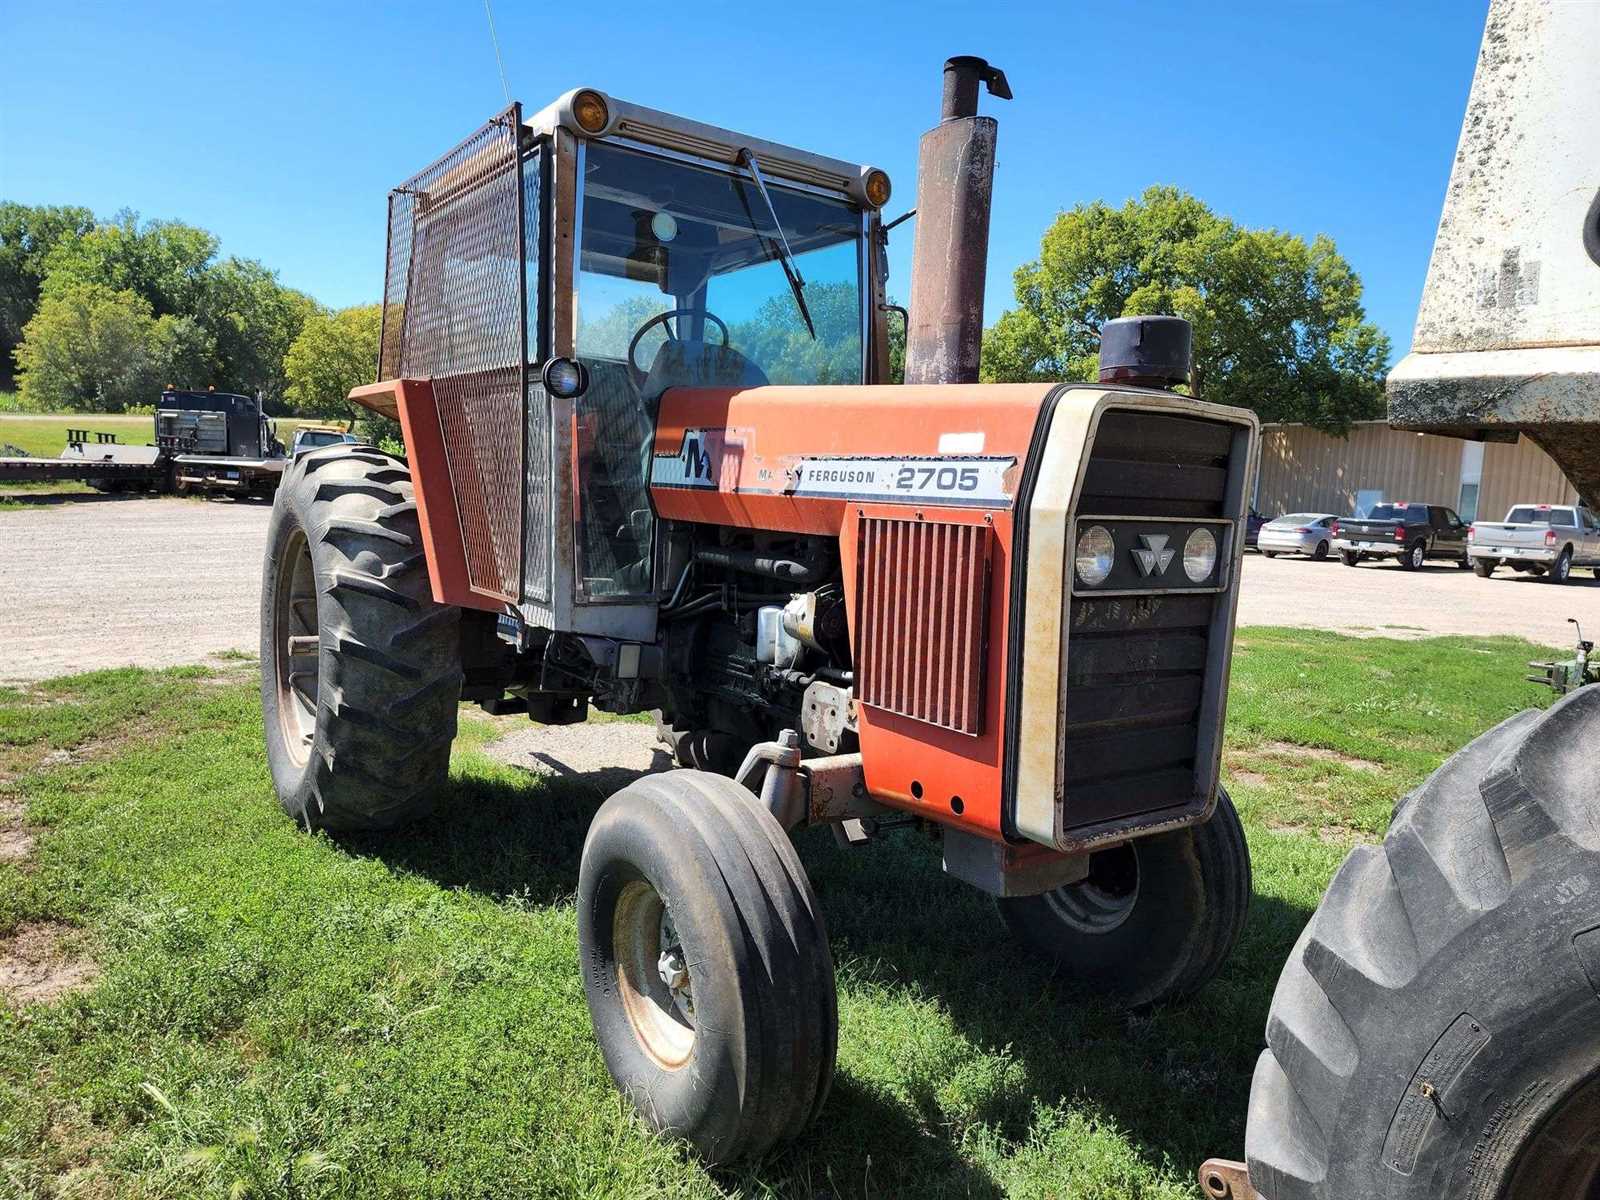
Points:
(254, 320)
(1278, 322)
(27, 235)
(166, 262)
(333, 352)
(243, 319)
(88, 347)
(779, 341)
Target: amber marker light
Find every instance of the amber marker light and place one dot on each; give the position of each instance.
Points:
(590, 110)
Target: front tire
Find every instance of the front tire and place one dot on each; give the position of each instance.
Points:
(726, 1039)
(1436, 1031)
(360, 668)
(1155, 919)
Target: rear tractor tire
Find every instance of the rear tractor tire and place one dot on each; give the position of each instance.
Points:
(360, 668)
(706, 965)
(1155, 919)
(1436, 1032)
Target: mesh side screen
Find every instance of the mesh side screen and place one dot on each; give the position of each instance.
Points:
(454, 307)
(396, 272)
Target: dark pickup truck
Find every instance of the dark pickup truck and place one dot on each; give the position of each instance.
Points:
(1412, 533)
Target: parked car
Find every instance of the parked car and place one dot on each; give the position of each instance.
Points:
(1546, 539)
(314, 437)
(1252, 529)
(1411, 533)
(1297, 533)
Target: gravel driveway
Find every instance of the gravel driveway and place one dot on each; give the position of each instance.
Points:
(91, 582)
(88, 582)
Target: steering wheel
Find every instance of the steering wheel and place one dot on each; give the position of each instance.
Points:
(661, 318)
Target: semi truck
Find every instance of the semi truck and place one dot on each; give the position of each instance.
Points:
(655, 462)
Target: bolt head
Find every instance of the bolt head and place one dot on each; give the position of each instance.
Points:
(674, 973)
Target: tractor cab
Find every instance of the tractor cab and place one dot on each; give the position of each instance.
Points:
(621, 251)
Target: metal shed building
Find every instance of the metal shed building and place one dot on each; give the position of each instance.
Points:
(1304, 470)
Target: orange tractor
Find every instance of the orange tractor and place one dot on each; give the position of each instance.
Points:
(655, 463)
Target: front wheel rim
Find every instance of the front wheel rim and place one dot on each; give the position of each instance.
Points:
(1106, 898)
(295, 653)
(653, 975)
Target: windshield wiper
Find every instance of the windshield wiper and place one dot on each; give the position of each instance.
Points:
(797, 285)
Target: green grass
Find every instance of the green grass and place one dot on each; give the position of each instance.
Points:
(284, 1015)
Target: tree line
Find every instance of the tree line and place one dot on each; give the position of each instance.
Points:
(98, 315)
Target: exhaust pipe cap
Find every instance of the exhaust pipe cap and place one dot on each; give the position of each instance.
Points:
(1153, 351)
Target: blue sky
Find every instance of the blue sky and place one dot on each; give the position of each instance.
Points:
(280, 126)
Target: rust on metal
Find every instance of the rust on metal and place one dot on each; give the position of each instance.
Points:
(955, 186)
(1224, 1179)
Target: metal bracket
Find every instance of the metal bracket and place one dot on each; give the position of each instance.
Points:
(1224, 1179)
(818, 791)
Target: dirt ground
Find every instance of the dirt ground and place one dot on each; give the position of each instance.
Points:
(90, 582)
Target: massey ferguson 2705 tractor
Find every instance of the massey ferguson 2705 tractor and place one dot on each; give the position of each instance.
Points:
(654, 462)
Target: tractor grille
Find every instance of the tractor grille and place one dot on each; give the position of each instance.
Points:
(1136, 665)
(922, 613)
(455, 312)
(1155, 465)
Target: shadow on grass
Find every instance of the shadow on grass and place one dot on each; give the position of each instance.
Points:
(497, 838)
(1176, 1079)
(866, 1144)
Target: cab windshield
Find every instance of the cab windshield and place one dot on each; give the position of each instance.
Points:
(681, 282)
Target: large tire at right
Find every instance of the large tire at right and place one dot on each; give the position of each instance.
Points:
(1436, 1032)
(360, 668)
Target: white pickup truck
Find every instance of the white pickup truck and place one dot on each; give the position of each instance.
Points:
(1544, 539)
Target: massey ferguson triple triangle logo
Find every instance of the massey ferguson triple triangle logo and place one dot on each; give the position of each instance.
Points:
(1153, 557)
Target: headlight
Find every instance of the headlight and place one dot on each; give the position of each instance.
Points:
(1200, 555)
(565, 378)
(1096, 552)
(590, 111)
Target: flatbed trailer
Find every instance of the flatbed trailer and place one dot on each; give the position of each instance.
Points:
(93, 458)
(49, 470)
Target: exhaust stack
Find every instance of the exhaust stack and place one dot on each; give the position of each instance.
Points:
(955, 183)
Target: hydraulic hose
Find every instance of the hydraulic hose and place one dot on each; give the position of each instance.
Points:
(789, 570)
